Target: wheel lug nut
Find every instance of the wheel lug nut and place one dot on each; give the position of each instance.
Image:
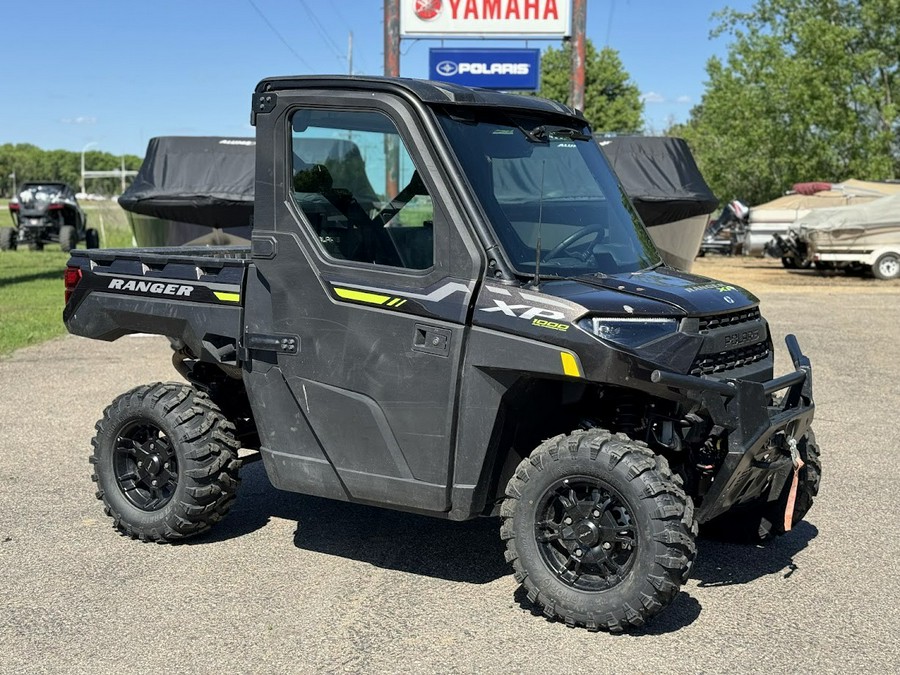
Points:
(596, 514)
(154, 483)
(568, 521)
(579, 553)
(166, 465)
(607, 545)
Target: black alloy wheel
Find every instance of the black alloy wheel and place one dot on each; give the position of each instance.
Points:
(145, 466)
(585, 532)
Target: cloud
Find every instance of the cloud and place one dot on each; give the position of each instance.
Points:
(79, 120)
(653, 97)
(683, 99)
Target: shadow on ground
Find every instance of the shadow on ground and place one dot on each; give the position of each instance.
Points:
(683, 611)
(469, 552)
(34, 276)
(722, 563)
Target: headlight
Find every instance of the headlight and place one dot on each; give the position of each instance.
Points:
(629, 331)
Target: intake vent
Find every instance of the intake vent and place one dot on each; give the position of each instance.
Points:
(707, 364)
(708, 323)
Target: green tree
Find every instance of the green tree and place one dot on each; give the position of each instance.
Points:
(612, 101)
(808, 91)
(31, 163)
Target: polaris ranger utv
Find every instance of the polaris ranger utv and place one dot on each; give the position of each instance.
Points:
(458, 313)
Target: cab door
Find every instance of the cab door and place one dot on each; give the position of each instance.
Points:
(369, 267)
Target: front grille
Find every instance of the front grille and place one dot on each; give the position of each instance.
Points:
(707, 364)
(708, 323)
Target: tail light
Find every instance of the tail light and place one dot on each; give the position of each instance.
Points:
(72, 277)
(13, 206)
(55, 207)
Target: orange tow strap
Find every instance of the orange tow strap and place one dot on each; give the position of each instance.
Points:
(792, 495)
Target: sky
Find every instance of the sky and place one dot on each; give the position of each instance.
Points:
(113, 74)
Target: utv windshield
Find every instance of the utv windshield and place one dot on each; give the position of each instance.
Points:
(538, 181)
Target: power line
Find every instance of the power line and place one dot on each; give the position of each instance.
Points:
(280, 36)
(322, 31)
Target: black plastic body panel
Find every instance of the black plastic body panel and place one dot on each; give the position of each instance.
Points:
(194, 296)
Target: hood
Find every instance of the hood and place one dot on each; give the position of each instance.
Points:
(660, 292)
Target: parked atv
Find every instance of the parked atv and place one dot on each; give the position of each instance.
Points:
(45, 213)
(488, 330)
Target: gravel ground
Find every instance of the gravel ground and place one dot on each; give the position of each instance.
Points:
(297, 584)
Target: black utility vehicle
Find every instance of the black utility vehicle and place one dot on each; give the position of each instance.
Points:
(44, 213)
(458, 315)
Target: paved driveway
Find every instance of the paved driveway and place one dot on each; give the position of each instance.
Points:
(291, 583)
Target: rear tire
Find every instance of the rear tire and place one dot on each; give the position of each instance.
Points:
(91, 238)
(598, 531)
(7, 239)
(764, 521)
(165, 462)
(887, 266)
(68, 238)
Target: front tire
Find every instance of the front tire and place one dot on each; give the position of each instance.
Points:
(598, 531)
(165, 462)
(91, 238)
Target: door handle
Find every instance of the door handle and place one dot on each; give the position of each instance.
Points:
(431, 340)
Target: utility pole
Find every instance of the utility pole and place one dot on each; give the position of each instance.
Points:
(350, 54)
(579, 25)
(15, 188)
(392, 38)
(391, 69)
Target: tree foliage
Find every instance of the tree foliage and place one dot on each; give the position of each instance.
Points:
(612, 101)
(808, 91)
(30, 162)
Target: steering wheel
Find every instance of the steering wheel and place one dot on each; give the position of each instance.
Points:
(596, 230)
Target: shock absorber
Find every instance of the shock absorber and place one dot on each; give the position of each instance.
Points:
(629, 414)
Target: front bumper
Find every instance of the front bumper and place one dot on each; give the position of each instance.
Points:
(758, 460)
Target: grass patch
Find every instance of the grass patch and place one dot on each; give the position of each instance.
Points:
(31, 297)
(31, 282)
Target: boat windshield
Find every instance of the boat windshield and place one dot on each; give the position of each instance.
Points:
(548, 185)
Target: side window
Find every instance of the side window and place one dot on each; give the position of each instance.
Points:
(341, 163)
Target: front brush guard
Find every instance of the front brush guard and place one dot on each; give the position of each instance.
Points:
(759, 434)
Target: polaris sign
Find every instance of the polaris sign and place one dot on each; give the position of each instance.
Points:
(507, 69)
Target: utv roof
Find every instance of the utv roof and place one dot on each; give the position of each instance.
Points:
(426, 91)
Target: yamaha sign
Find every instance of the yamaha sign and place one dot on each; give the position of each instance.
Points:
(479, 18)
(507, 69)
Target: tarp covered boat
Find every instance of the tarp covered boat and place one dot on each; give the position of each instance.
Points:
(854, 231)
(777, 216)
(662, 179)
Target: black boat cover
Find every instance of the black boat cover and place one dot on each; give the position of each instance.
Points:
(661, 177)
(202, 180)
